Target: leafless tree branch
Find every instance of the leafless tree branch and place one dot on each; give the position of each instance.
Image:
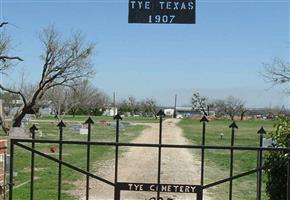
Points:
(3, 24)
(14, 92)
(277, 72)
(5, 58)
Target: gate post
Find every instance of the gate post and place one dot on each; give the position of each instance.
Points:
(259, 164)
(60, 125)
(89, 122)
(117, 191)
(11, 170)
(288, 170)
(233, 126)
(117, 194)
(161, 115)
(199, 193)
(32, 131)
(203, 120)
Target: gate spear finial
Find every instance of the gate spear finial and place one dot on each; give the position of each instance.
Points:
(61, 124)
(204, 119)
(161, 113)
(89, 121)
(117, 117)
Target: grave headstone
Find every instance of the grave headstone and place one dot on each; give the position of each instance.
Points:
(268, 142)
(75, 127)
(19, 133)
(83, 131)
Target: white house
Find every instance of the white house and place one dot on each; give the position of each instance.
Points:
(169, 112)
(110, 111)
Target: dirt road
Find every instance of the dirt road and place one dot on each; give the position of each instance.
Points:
(140, 165)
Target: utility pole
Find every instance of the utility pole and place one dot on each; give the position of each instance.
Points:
(114, 103)
(175, 104)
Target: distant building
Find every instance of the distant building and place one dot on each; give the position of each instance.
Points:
(169, 112)
(110, 111)
(45, 111)
(184, 112)
(187, 111)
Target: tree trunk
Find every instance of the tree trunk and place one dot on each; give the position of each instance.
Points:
(243, 114)
(18, 119)
(19, 116)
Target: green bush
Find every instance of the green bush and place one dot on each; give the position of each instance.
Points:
(276, 162)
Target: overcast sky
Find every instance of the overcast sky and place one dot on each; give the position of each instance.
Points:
(221, 55)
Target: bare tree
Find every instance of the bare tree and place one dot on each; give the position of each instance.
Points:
(90, 98)
(64, 63)
(230, 106)
(234, 106)
(6, 60)
(130, 104)
(199, 103)
(9, 101)
(57, 98)
(277, 72)
(149, 106)
(84, 98)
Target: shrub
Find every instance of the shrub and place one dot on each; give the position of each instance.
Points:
(276, 162)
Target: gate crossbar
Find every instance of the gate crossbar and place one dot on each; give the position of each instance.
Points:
(233, 177)
(124, 144)
(64, 163)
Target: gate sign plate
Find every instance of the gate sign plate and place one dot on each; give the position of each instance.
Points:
(148, 187)
(162, 11)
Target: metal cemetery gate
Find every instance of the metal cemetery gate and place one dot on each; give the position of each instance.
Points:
(157, 187)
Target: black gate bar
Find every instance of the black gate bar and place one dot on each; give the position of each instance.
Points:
(32, 131)
(288, 170)
(233, 126)
(117, 191)
(203, 120)
(212, 147)
(61, 125)
(161, 115)
(261, 132)
(11, 183)
(89, 122)
(232, 178)
(58, 161)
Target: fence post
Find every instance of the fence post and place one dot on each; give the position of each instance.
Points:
(61, 125)
(204, 120)
(288, 170)
(89, 122)
(261, 132)
(32, 131)
(117, 191)
(233, 126)
(11, 184)
(161, 114)
(199, 194)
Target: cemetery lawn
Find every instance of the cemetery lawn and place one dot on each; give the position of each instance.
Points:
(217, 161)
(46, 171)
